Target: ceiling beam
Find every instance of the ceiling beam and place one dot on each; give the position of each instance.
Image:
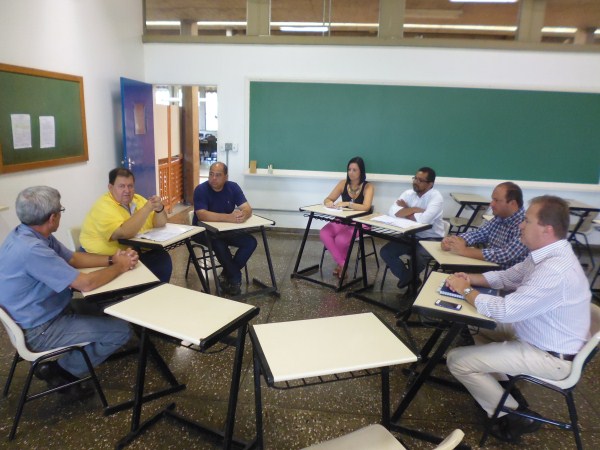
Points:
(391, 19)
(531, 20)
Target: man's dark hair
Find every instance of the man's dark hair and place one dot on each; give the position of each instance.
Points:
(119, 172)
(430, 173)
(221, 164)
(513, 192)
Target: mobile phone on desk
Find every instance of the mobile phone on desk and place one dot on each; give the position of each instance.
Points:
(449, 305)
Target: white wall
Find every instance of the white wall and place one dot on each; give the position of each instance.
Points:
(230, 67)
(99, 40)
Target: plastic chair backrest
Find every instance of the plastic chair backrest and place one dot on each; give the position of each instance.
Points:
(446, 227)
(17, 338)
(74, 233)
(582, 357)
(452, 440)
(191, 217)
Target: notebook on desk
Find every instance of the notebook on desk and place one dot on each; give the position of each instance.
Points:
(445, 290)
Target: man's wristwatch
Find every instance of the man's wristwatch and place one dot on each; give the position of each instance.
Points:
(110, 261)
(467, 291)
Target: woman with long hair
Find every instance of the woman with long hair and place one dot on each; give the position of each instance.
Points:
(356, 193)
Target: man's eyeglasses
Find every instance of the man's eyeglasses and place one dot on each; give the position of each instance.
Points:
(61, 210)
(419, 180)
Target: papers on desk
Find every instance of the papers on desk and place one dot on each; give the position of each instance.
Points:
(395, 221)
(336, 209)
(169, 231)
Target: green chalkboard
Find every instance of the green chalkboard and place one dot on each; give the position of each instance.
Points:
(460, 132)
(32, 96)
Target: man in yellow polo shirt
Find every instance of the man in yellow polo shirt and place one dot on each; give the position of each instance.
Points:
(121, 214)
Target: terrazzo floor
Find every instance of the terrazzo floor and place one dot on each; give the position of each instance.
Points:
(293, 418)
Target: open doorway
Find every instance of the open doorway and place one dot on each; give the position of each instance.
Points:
(169, 110)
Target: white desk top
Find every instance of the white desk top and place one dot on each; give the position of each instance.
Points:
(326, 346)
(576, 204)
(252, 222)
(322, 209)
(367, 220)
(470, 199)
(179, 312)
(180, 237)
(426, 302)
(3, 208)
(596, 221)
(140, 275)
(488, 217)
(434, 248)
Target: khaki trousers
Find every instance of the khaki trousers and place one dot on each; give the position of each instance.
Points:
(478, 367)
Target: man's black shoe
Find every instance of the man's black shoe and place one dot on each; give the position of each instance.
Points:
(234, 288)
(46, 371)
(79, 391)
(509, 428)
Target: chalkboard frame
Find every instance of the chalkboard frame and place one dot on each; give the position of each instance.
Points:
(45, 84)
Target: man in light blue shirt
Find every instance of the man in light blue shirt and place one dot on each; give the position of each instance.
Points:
(36, 274)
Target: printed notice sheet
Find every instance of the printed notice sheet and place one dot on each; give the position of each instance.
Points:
(47, 132)
(21, 130)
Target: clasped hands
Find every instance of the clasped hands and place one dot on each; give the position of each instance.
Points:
(338, 205)
(458, 282)
(126, 259)
(238, 216)
(454, 244)
(155, 203)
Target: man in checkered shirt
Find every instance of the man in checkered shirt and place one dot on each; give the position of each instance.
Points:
(500, 236)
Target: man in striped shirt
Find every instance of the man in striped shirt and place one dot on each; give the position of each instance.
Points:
(500, 235)
(543, 320)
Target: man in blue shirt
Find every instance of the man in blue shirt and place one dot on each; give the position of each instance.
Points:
(221, 200)
(36, 274)
(501, 235)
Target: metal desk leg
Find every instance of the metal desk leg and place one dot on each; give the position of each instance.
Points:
(197, 266)
(273, 287)
(212, 263)
(422, 377)
(304, 238)
(258, 404)
(385, 397)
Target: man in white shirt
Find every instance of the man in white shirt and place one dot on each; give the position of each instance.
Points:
(543, 321)
(423, 204)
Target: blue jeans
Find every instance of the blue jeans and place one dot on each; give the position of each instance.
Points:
(104, 334)
(232, 264)
(391, 253)
(159, 263)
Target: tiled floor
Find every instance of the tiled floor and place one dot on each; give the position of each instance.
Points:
(292, 419)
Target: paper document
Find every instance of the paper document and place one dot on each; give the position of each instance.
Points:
(338, 208)
(396, 221)
(169, 231)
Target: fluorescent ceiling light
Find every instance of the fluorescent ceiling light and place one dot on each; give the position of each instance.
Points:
(163, 23)
(421, 26)
(309, 29)
(483, 1)
(565, 30)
